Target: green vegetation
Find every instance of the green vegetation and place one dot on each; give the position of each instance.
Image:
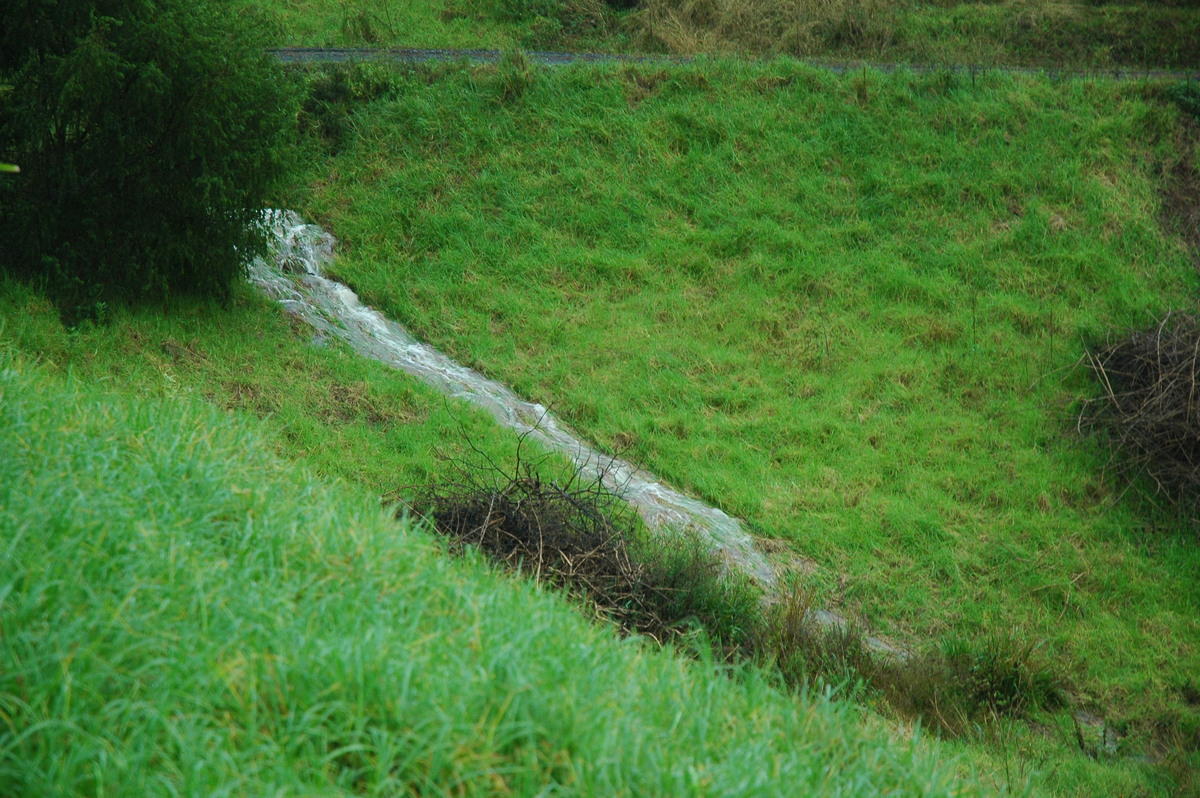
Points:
(422, 23)
(568, 531)
(848, 309)
(495, 24)
(1074, 34)
(185, 613)
(845, 309)
(151, 136)
(1079, 34)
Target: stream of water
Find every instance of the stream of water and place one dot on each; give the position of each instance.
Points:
(295, 278)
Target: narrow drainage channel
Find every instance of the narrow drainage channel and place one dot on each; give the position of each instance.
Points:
(295, 279)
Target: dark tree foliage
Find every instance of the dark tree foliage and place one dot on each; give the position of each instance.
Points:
(150, 133)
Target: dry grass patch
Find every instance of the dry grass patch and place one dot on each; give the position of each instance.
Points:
(793, 27)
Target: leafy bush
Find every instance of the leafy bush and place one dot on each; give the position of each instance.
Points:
(150, 135)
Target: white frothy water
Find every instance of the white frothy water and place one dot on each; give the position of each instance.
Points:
(295, 280)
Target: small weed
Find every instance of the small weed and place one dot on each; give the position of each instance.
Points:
(514, 76)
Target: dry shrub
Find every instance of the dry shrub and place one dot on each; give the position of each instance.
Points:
(791, 27)
(1148, 407)
(576, 535)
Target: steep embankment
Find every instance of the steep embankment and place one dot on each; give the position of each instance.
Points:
(184, 613)
(844, 308)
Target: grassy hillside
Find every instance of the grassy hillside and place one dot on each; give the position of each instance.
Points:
(326, 406)
(845, 309)
(184, 613)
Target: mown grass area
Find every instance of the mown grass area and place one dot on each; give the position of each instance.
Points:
(186, 613)
(844, 309)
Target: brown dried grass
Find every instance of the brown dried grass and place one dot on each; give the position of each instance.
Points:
(1147, 409)
(791, 27)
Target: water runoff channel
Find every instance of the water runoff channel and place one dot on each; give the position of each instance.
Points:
(295, 277)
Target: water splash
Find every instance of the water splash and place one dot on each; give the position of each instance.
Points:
(295, 279)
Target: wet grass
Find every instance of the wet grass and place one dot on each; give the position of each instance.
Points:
(843, 309)
(343, 416)
(326, 407)
(185, 613)
(828, 305)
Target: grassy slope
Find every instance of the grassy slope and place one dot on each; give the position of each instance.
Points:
(346, 416)
(356, 420)
(842, 308)
(184, 613)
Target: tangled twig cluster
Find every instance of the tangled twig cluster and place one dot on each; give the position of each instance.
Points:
(575, 534)
(1148, 408)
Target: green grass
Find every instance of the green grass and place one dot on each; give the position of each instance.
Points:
(1076, 34)
(841, 308)
(470, 24)
(844, 309)
(1084, 35)
(1049, 33)
(343, 416)
(185, 613)
(333, 23)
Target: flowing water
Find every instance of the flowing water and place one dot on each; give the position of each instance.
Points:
(295, 279)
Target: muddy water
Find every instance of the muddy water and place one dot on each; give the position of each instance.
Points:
(295, 278)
